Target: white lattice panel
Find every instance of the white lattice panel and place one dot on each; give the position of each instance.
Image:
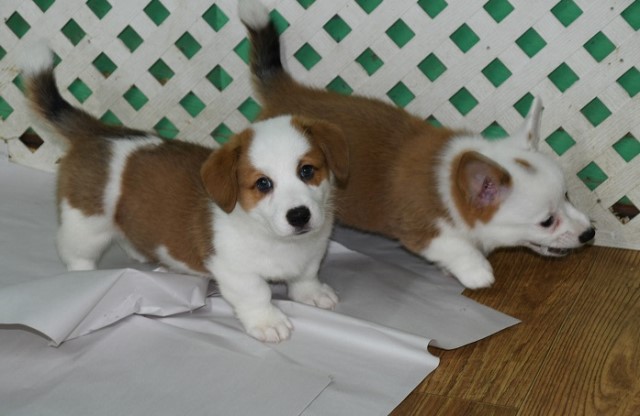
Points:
(179, 67)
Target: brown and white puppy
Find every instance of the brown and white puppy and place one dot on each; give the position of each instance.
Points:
(257, 209)
(449, 196)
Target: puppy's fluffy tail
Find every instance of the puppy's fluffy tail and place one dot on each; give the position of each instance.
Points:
(45, 99)
(266, 65)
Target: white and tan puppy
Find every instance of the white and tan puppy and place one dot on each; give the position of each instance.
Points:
(451, 197)
(257, 209)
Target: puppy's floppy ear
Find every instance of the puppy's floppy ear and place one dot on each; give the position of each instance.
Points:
(219, 172)
(331, 141)
(479, 185)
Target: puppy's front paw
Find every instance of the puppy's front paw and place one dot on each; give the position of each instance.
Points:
(476, 276)
(267, 325)
(318, 294)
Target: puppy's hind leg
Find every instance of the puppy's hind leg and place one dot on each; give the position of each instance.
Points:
(82, 239)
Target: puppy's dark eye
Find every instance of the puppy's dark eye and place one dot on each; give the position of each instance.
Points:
(264, 184)
(306, 172)
(548, 222)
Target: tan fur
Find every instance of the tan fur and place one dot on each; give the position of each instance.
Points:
(526, 165)
(465, 191)
(392, 154)
(225, 173)
(163, 203)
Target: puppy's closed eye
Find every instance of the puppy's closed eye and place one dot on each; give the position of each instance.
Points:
(548, 222)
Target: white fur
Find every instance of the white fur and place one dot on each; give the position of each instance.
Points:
(535, 195)
(253, 13)
(35, 58)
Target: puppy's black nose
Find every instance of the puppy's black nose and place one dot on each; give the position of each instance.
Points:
(587, 236)
(299, 216)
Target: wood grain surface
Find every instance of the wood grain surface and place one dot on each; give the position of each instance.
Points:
(576, 352)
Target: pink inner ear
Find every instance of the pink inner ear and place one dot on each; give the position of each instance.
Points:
(487, 193)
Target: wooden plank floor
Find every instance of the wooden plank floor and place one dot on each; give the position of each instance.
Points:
(576, 352)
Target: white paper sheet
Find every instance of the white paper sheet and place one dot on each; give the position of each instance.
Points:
(362, 358)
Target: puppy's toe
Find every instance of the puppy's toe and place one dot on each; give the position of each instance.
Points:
(269, 326)
(477, 278)
(322, 296)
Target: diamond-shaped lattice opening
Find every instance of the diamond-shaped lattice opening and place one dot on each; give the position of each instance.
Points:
(104, 65)
(523, 105)
(80, 90)
(339, 85)
(400, 33)
(188, 45)
(592, 176)
(306, 3)
(464, 38)
(215, 17)
(632, 15)
(5, 109)
(496, 72)
(165, 128)
(494, 131)
(368, 5)
(624, 210)
(31, 140)
(560, 141)
(369, 61)
(463, 101)
(595, 111)
(566, 11)
(18, 81)
(307, 56)
(99, 7)
(531, 42)
(599, 46)
(135, 98)
(432, 67)
(219, 78)
(432, 7)
(498, 9)
(337, 28)
(161, 72)
(130, 38)
(433, 121)
(2, 52)
(44, 4)
(627, 147)
(630, 81)
(250, 109)
(279, 22)
(242, 50)
(563, 77)
(156, 11)
(401, 95)
(222, 133)
(73, 32)
(192, 104)
(110, 118)
(17, 24)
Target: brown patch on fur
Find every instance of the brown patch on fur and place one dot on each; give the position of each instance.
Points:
(221, 172)
(526, 165)
(330, 141)
(478, 186)
(248, 175)
(164, 203)
(391, 189)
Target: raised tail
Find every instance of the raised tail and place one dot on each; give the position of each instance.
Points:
(266, 65)
(46, 100)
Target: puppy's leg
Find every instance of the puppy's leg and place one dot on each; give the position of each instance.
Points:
(81, 239)
(462, 259)
(308, 289)
(250, 297)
